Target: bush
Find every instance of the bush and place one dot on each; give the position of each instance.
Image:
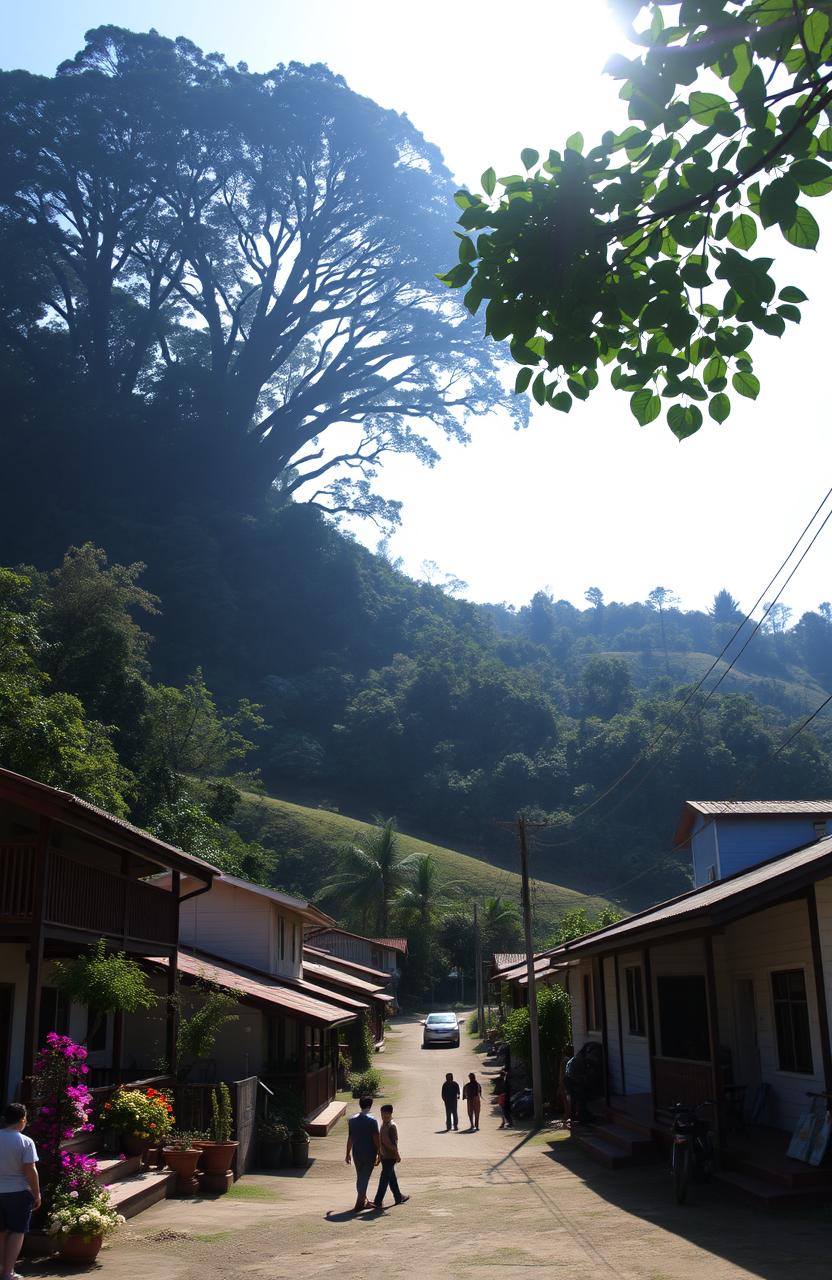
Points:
(553, 1015)
(365, 1083)
(361, 1043)
(108, 982)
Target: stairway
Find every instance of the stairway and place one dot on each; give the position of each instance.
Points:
(615, 1141)
(133, 1188)
(770, 1180)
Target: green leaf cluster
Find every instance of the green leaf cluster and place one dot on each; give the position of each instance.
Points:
(106, 981)
(636, 253)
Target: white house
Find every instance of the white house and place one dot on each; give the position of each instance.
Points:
(724, 991)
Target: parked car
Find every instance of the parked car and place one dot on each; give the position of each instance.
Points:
(441, 1028)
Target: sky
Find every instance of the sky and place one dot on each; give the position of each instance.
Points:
(588, 499)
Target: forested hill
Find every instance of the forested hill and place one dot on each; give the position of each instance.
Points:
(384, 695)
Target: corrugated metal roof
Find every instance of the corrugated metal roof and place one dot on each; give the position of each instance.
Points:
(378, 976)
(392, 944)
(504, 959)
(261, 988)
(717, 900)
(324, 972)
(761, 807)
(515, 972)
(17, 786)
(395, 944)
(311, 913)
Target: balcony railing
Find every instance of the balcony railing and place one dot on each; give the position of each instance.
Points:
(86, 898)
(680, 1081)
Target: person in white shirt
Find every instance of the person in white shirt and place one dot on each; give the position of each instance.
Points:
(19, 1186)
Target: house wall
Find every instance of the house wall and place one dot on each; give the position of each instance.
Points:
(744, 842)
(823, 897)
(616, 1078)
(704, 851)
(580, 1034)
(753, 948)
(242, 927)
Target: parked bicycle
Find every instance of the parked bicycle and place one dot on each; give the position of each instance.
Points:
(693, 1148)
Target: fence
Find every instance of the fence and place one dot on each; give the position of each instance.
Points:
(192, 1107)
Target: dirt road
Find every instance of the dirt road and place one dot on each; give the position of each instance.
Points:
(484, 1205)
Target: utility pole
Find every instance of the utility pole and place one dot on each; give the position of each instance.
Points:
(478, 966)
(537, 1079)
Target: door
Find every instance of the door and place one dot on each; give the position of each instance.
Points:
(747, 1069)
(6, 1011)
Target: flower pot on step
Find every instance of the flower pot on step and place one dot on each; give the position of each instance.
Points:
(300, 1150)
(184, 1163)
(217, 1157)
(133, 1145)
(81, 1249)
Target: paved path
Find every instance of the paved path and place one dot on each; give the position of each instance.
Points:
(485, 1206)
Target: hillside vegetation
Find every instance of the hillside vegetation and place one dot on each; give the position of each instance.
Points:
(305, 842)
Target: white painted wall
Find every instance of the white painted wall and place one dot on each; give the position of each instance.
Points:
(755, 947)
(242, 926)
(616, 1080)
(14, 970)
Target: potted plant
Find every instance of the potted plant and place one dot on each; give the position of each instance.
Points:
(275, 1148)
(219, 1150)
(181, 1154)
(81, 1212)
(142, 1117)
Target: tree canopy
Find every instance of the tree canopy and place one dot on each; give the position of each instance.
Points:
(638, 252)
(214, 268)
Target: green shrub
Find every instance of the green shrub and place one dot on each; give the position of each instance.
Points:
(365, 1083)
(361, 1043)
(109, 982)
(554, 1022)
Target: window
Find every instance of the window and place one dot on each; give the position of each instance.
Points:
(54, 1013)
(635, 1001)
(683, 1017)
(314, 1049)
(791, 1021)
(96, 1039)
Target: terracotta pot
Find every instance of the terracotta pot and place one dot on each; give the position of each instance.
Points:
(300, 1151)
(133, 1145)
(80, 1248)
(184, 1161)
(217, 1157)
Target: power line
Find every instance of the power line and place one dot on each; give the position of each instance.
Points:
(668, 724)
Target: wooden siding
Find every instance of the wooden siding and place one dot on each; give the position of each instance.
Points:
(241, 927)
(754, 948)
(359, 950)
(616, 1081)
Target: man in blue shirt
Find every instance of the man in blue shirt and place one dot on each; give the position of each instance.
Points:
(363, 1150)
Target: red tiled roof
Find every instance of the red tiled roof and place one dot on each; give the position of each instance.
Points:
(317, 954)
(261, 989)
(324, 973)
(395, 944)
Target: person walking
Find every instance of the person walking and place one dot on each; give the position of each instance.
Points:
(472, 1093)
(450, 1097)
(388, 1138)
(362, 1150)
(19, 1186)
(503, 1093)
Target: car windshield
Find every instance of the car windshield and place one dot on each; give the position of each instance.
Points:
(441, 1019)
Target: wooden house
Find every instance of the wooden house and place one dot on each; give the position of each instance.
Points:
(386, 954)
(722, 993)
(250, 940)
(71, 874)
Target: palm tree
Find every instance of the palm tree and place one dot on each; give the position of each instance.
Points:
(421, 897)
(370, 874)
(500, 924)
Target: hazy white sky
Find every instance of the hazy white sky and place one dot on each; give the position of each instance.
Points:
(585, 500)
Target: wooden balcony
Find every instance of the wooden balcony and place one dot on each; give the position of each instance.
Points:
(85, 898)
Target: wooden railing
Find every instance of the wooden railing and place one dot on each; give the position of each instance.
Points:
(679, 1081)
(87, 898)
(17, 864)
(314, 1089)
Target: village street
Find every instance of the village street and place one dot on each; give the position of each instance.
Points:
(483, 1204)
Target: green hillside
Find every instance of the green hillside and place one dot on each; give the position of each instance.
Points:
(305, 841)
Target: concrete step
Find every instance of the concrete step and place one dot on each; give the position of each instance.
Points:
(791, 1174)
(767, 1195)
(131, 1195)
(631, 1141)
(605, 1153)
(319, 1125)
(113, 1168)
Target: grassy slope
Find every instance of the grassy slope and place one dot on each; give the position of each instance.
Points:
(801, 691)
(313, 835)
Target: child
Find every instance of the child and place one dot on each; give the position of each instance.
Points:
(19, 1186)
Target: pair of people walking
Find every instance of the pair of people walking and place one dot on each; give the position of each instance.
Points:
(472, 1095)
(369, 1146)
